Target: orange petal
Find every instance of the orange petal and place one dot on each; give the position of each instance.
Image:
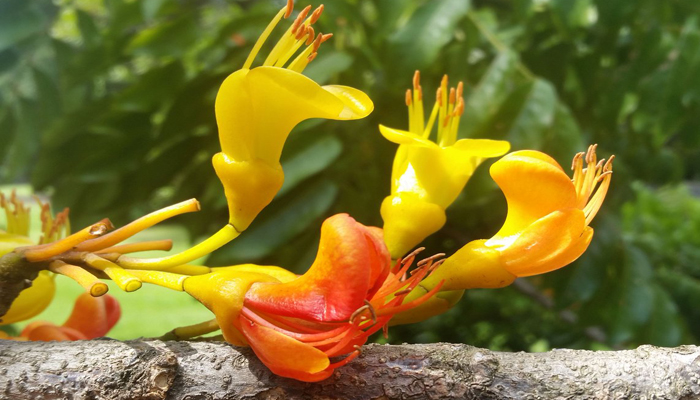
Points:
(549, 240)
(43, 331)
(282, 353)
(534, 186)
(93, 316)
(336, 284)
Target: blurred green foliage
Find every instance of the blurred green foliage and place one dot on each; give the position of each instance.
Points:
(107, 105)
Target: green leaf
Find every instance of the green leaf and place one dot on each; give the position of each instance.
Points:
(309, 161)
(324, 67)
(88, 30)
(19, 20)
(167, 39)
(486, 98)
(418, 44)
(533, 112)
(278, 226)
(154, 88)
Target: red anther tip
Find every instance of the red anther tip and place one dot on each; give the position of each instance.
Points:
(460, 89)
(290, 8)
(453, 95)
(408, 97)
(438, 96)
(311, 56)
(326, 37)
(301, 32)
(416, 79)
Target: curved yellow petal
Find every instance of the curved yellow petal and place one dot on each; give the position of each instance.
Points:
(483, 148)
(278, 273)
(33, 300)
(256, 109)
(547, 241)
(534, 186)
(474, 266)
(10, 241)
(399, 136)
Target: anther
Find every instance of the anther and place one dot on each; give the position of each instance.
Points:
(603, 175)
(429, 259)
(408, 97)
(416, 80)
(316, 14)
(590, 154)
(311, 57)
(438, 97)
(444, 81)
(301, 32)
(452, 95)
(300, 18)
(459, 109)
(460, 88)
(326, 37)
(414, 253)
(311, 33)
(577, 157)
(290, 8)
(317, 42)
(608, 164)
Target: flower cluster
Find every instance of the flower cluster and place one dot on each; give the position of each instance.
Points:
(304, 327)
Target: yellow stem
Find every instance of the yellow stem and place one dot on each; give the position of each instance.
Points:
(121, 277)
(220, 238)
(94, 286)
(164, 245)
(138, 225)
(191, 331)
(163, 279)
(39, 253)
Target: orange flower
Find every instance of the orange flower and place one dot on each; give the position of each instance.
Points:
(295, 325)
(92, 317)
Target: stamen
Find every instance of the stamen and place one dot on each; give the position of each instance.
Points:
(453, 95)
(408, 97)
(286, 11)
(418, 113)
(429, 259)
(311, 57)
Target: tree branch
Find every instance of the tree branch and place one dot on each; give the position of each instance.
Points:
(139, 369)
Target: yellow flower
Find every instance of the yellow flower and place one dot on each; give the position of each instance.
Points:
(428, 176)
(547, 226)
(36, 298)
(256, 108)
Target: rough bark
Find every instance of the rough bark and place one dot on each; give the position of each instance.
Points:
(109, 369)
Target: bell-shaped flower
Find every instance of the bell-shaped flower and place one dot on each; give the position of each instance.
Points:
(92, 317)
(296, 325)
(547, 226)
(256, 108)
(428, 176)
